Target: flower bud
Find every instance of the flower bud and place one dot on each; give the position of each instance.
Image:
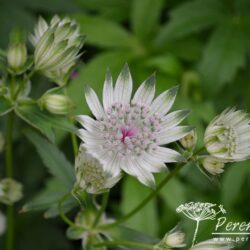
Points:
(56, 104)
(213, 245)
(2, 223)
(189, 141)
(227, 136)
(17, 57)
(10, 191)
(90, 175)
(173, 239)
(213, 165)
(57, 47)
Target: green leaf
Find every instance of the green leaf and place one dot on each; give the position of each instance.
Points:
(104, 33)
(52, 193)
(5, 106)
(145, 17)
(224, 55)
(173, 194)
(42, 120)
(53, 159)
(190, 17)
(132, 194)
(233, 181)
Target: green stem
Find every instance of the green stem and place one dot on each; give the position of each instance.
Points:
(9, 173)
(147, 199)
(74, 143)
(105, 199)
(124, 243)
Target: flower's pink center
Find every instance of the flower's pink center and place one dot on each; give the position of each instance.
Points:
(127, 132)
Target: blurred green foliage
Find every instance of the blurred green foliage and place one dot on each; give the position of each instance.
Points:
(202, 45)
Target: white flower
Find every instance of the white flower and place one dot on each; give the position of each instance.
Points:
(90, 175)
(212, 245)
(57, 47)
(189, 141)
(213, 165)
(2, 223)
(129, 135)
(228, 136)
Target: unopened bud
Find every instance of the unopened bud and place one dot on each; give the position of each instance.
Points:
(213, 165)
(17, 57)
(189, 141)
(10, 191)
(56, 104)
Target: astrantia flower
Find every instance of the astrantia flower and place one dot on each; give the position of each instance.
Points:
(57, 47)
(228, 136)
(90, 175)
(129, 134)
(213, 245)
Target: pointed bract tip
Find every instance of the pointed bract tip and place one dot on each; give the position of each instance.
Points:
(173, 91)
(87, 89)
(150, 82)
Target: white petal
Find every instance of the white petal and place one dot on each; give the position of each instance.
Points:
(174, 118)
(112, 166)
(88, 123)
(108, 92)
(152, 164)
(123, 86)
(89, 138)
(163, 103)
(168, 155)
(173, 134)
(145, 93)
(93, 103)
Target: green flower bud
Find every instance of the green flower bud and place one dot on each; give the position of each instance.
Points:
(213, 165)
(189, 141)
(10, 191)
(57, 47)
(56, 104)
(17, 57)
(2, 223)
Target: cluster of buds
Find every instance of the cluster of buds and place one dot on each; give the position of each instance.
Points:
(57, 47)
(10, 191)
(90, 174)
(172, 239)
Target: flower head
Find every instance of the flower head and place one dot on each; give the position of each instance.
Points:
(2, 223)
(213, 245)
(57, 47)
(129, 134)
(90, 175)
(10, 191)
(228, 136)
(213, 165)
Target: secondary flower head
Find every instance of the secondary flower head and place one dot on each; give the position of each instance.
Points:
(213, 165)
(10, 191)
(228, 136)
(213, 245)
(2, 223)
(90, 175)
(129, 134)
(57, 47)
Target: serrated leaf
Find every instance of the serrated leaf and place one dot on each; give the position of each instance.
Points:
(145, 16)
(42, 120)
(53, 159)
(224, 55)
(5, 106)
(132, 194)
(115, 36)
(190, 17)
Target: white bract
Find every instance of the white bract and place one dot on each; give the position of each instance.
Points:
(57, 47)
(90, 175)
(228, 136)
(212, 245)
(213, 165)
(129, 134)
